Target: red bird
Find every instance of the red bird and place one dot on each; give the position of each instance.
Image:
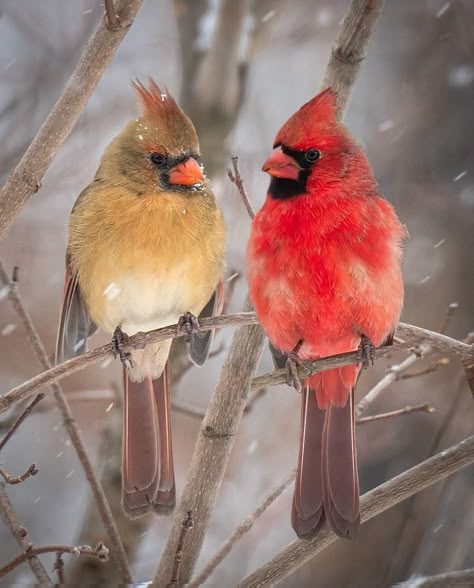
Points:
(324, 272)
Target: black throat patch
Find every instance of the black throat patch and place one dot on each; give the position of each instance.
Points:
(282, 188)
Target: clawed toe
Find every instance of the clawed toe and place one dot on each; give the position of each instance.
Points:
(119, 342)
(366, 352)
(188, 324)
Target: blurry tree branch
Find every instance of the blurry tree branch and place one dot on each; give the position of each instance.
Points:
(373, 503)
(20, 534)
(26, 178)
(21, 417)
(236, 179)
(227, 404)
(117, 550)
(424, 407)
(461, 578)
(99, 551)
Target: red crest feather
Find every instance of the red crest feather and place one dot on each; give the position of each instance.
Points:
(154, 101)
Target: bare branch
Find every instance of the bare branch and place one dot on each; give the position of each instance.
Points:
(21, 418)
(117, 549)
(373, 503)
(461, 578)
(186, 525)
(237, 180)
(425, 407)
(241, 530)
(350, 49)
(31, 471)
(113, 21)
(99, 551)
(26, 178)
(226, 407)
(20, 534)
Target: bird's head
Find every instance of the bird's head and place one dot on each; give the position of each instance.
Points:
(158, 151)
(310, 150)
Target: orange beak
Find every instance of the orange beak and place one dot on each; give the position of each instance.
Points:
(280, 165)
(186, 173)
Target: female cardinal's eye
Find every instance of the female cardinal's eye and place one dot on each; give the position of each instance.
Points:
(157, 158)
(312, 155)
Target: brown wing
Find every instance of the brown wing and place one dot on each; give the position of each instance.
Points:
(201, 342)
(75, 324)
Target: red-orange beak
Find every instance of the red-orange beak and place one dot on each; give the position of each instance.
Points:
(186, 173)
(280, 165)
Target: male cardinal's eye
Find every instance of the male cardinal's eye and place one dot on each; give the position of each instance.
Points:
(157, 158)
(312, 155)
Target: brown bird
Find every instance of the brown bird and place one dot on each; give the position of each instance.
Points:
(146, 247)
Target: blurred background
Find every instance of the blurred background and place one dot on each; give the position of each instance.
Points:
(239, 69)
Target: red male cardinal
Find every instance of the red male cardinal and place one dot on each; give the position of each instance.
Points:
(324, 272)
(146, 246)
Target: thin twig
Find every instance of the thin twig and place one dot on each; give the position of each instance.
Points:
(99, 551)
(237, 180)
(392, 375)
(113, 22)
(410, 334)
(26, 178)
(373, 503)
(241, 530)
(225, 410)
(20, 534)
(460, 578)
(116, 546)
(425, 407)
(21, 418)
(450, 312)
(31, 471)
(425, 371)
(186, 525)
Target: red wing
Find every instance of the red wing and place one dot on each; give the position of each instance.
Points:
(75, 323)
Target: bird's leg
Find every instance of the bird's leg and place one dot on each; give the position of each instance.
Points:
(292, 364)
(188, 324)
(119, 341)
(366, 351)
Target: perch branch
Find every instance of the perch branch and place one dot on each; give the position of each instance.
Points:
(113, 22)
(26, 178)
(411, 335)
(99, 551)
(31, 471)
(20, 534)
(227, 404)
(373, 503)
(117, 549)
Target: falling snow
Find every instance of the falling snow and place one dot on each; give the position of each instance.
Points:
(461, 76)
(386, 125)
(443, 9)
(269, 15)
(8, 329)
(459, 176)
(439, 243)
(424, 280)
(112, 291)
(109, 408)
(106, 363)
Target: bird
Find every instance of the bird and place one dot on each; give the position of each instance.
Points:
(146, 249)
(324, 270)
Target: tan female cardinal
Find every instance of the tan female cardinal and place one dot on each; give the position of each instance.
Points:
(324, 271)
(146, 246)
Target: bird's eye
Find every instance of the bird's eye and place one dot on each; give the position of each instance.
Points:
(312, 155)
(157, 158)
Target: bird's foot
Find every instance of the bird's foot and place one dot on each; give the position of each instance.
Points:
(366, 352)
(188, 324)
(119, 342)
(293, 362)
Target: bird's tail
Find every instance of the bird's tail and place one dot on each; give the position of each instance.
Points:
(327, 483)
(147, 456)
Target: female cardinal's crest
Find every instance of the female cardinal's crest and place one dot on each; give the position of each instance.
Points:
(155, 101)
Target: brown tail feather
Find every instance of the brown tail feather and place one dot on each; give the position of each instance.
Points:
(339, 473)
(166, 495)
(147, 459)
(327, 484)
(307, 512)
